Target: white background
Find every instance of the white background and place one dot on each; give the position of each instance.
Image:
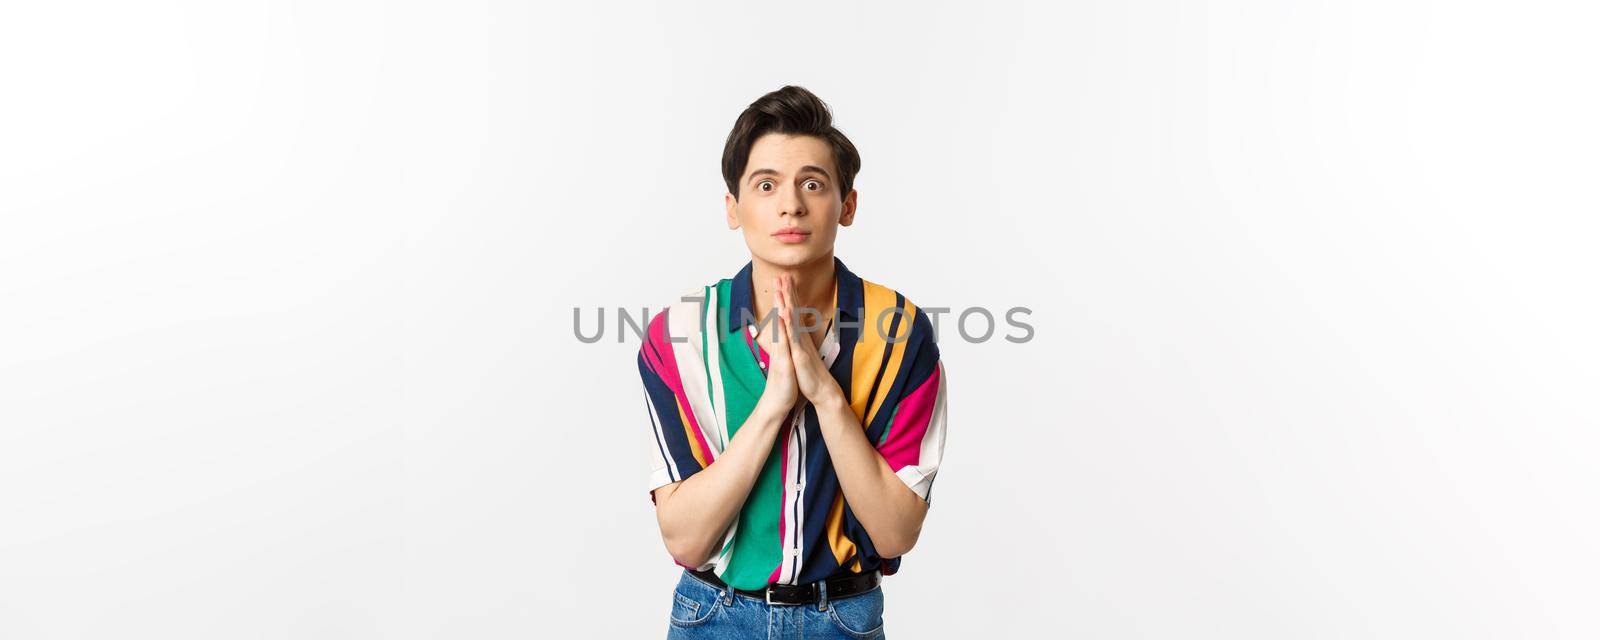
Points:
(286, 295)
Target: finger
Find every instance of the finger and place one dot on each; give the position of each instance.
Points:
(791, 313)
(781, 336)
(779, 326)
(778, 308)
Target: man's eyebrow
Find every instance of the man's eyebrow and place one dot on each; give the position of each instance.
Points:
(773, 172)
(815, 168)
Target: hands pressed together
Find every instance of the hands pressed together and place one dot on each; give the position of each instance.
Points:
(795, 368)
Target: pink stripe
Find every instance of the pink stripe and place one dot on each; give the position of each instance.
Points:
(667, 368)
(783, 517)
(911, 421)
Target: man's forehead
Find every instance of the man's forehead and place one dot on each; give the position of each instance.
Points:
(789, 154)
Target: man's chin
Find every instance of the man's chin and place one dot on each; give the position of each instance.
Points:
(791, 256)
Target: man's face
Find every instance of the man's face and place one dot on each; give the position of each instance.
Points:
(790, 183)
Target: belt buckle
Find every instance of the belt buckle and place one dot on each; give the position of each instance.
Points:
(768, 591)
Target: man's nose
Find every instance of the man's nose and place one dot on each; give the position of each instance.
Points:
(790, 203)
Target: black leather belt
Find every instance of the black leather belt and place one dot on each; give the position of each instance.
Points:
(803, 593)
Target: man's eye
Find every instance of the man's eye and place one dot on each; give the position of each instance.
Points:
(763, 185)
(813, 185)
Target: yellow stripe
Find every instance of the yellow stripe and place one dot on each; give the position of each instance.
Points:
(842, 547)
(895, 356)
(694, 443)
(869, 350)
(877, 299)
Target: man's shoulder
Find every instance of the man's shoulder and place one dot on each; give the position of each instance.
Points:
(686, 298)
(881, 302)
(872, 288)
(684, 311)
(880, 295)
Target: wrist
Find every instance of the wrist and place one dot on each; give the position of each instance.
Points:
(768, 412)
(831, 400)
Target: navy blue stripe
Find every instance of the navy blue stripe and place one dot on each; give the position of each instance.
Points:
(920, 359)
(666, 404)
(655, 431)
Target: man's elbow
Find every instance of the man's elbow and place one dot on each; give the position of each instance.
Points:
(901, 542)
(897, 546)
(692, 559)
(687, 553)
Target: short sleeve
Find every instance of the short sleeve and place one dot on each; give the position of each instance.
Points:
(672, 454)
(914, 442)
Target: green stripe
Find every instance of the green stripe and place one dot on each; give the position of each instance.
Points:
(756, 547)
(885, 437)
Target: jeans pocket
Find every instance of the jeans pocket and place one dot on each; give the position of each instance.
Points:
(859, 616)
(693, 602)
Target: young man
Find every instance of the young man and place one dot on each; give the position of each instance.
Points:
(797, 410)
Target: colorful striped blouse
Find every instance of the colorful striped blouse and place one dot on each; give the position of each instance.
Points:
(702, 383)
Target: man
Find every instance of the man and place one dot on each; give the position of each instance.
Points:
(797, 410)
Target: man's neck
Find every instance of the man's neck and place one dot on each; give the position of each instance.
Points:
(813, 286)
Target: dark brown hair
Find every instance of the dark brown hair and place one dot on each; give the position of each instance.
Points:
(795, 111)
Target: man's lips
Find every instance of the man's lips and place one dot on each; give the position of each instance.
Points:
(792, 235)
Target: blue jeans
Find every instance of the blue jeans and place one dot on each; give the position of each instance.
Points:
(703, 610)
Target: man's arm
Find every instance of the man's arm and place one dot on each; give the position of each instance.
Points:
(891, 512)
(694, 513)
(887, 506)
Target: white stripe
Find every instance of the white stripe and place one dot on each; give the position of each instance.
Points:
(932, 449)
(800, 462)
(722, 560)
(830, 345)
(714, 357)
(791, 529)
(684, 323)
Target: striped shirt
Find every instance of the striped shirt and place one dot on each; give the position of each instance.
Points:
(703, 372)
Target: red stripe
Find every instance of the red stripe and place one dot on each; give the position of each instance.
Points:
(911, 421)
(667, 368)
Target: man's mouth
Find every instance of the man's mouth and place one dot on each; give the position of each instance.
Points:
(792, 235)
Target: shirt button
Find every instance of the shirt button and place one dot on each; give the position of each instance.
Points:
(763, 365)
(796, 486)
(792, 552)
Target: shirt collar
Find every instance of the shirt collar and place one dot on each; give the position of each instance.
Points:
(741, 311)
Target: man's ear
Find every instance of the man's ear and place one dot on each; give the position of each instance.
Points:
(848, 213)
(729, 202)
